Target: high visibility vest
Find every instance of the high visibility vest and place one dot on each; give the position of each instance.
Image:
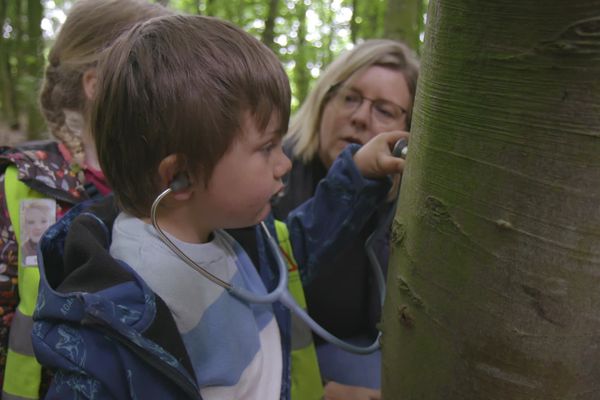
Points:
(22, 374)
(306, 376)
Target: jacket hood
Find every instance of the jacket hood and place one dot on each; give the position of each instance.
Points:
(82, 284)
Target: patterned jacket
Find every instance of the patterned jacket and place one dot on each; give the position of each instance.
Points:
(43, 168)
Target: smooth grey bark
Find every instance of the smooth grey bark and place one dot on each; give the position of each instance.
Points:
(494, 279)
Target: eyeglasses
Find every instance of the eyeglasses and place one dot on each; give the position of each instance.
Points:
(384, 112)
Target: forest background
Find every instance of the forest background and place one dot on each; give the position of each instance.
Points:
(306, 35)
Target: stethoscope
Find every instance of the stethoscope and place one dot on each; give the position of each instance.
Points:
(280, 293)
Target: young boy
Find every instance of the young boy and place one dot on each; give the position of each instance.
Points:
(120, 315)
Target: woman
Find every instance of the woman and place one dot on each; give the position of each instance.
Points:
(366, 91)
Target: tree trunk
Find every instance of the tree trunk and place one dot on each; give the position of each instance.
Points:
(210, 7)
(402, 21)
(7, 84)
(371, 14)
(301, 73)
(493, 286)
(35, 62)
(268, 37)
(354, 26)
(328, 40)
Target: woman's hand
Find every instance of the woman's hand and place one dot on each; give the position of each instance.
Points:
(337, 391)
(375, 159)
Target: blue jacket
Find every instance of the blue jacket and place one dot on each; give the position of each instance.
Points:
(348, 272)
(109, 336)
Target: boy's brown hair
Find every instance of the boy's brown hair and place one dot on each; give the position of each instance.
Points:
(180, 85)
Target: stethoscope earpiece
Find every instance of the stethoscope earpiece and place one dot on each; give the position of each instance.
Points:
(180, 183)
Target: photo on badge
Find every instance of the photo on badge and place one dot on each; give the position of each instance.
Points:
(35, 216)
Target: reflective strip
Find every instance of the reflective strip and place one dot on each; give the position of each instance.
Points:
(301, 333)
(20, 334)
(29, 282)
(23, 378)
(8, 396)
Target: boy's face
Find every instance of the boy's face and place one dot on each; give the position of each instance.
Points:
(239, 191)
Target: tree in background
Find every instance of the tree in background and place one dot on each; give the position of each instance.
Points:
(306, 35)
(301, 74)
(8, 101)
(34, 67)
(268, 35)
(21, 63)
(367, 19)
(403, 21)
(493, 286)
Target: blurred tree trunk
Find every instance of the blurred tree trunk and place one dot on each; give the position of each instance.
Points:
(19, 47)
(493, 286)
(210, 5)
(17, 57)
(35, 63)
(354, 26)
(402, 21)
(371, 15)
(301, 73)
(268, 36)
(10, 111)
(328, 40)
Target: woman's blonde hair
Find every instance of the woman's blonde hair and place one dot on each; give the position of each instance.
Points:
(304, 126)
(91, 27)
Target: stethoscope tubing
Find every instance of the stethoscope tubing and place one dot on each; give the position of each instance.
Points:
(280, 293)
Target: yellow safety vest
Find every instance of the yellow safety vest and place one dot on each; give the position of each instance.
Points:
(306, 375)
(22, 374)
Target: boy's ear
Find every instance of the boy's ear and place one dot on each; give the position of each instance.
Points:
(88, 81)
(169, 170)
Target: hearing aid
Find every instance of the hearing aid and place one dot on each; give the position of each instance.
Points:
(400, 149)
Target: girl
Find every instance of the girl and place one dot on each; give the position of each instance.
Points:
(65, 170)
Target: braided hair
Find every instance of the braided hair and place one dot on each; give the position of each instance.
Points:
(91, 27)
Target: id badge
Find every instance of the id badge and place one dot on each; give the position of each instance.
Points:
(35, 216)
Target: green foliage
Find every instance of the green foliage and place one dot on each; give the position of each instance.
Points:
(306, 35)
(21, 61)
